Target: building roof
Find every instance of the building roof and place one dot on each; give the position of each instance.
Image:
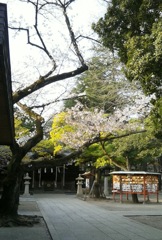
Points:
(133, 173)
(6, 104)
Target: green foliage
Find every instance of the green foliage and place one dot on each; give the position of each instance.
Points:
(143, 64)
(137, 150)
(94, 154)
(101, 162)
(133, 28)
(156, 118)
(20, 129)
(59, 127)
(102, 85)
(24, 125)
(43, 149)
(5, 156)
(125, 19)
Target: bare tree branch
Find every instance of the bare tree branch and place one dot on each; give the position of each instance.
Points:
(46, 79)
(56, 100)
(40, 83)
(43, 46)
(72, 36)
(89, 38)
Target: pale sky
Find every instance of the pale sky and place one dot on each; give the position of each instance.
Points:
(24, 63)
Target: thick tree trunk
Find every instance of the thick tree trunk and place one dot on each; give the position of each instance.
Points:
(96, 189)
(11, 188)
(135, 198)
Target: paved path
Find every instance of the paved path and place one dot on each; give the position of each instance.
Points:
(69, 218)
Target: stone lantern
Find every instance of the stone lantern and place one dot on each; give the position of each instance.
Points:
(27, 183)
(79, 187)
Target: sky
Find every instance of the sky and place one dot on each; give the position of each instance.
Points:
(85, 12)
(26, 61)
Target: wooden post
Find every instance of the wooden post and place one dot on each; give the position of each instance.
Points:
(39, 177)
(63, 177)
(33, 180)
(121, 194)
(144, 189)
(56, 178)
(157, 192)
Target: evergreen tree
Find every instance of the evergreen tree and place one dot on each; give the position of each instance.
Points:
(133, 30)
(103, 86)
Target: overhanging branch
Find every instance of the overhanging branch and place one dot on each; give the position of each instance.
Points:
(42, 82)
(60, 160)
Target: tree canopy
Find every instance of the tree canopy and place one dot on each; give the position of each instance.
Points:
(103, 86)
(90, 133)
(133, 30)
(137, 152)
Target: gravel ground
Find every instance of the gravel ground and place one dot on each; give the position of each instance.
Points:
(152, 211)
(151, 220)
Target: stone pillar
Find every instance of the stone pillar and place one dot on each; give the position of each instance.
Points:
(27, 183)
(79, 187)
(33, 180)
(106, 192)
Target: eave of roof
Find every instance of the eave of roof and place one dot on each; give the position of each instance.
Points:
(6, 104)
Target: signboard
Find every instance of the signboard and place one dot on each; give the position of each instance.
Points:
(136, 183)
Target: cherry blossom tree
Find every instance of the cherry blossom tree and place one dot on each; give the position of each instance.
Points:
(45, 65)
(78, 126)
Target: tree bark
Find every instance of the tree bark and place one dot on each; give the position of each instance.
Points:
(135, 198)
(96, 189)
(11, 188)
